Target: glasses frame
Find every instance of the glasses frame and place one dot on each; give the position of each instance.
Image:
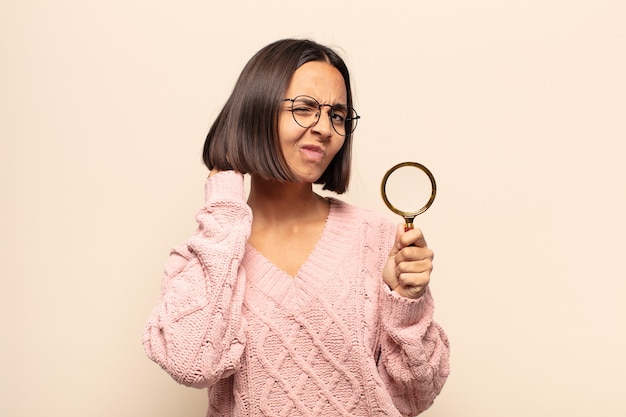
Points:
(354, 119)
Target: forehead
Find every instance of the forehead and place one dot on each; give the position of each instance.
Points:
(320, 80)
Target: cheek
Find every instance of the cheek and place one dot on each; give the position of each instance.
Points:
(339, 144)
(286, 130)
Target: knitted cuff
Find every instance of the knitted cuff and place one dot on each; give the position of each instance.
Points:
(225, 185)
(399, 311)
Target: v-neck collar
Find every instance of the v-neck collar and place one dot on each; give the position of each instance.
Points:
(294, 293)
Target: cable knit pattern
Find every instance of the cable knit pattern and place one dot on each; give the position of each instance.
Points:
(331, 341)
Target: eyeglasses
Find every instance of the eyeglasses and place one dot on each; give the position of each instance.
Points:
(306, 112)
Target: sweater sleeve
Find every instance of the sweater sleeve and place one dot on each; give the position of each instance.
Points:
(414, 362)
(196, 331)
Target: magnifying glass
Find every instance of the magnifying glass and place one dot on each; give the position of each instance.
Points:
(405, 183)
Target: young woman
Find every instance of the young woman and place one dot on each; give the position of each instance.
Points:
(287, 303)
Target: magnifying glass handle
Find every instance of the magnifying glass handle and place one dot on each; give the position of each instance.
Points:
(408, 223)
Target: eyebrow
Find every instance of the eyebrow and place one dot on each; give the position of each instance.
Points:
(324, 104)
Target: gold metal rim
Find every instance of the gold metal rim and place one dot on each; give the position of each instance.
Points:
(409, 215)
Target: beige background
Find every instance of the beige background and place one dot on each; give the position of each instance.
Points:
(516, 106)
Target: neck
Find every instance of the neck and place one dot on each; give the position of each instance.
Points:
(273, 201)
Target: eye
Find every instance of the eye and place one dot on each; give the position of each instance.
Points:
(337, 118)
(339, 114)
(303, 109)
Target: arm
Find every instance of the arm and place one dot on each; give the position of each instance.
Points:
(414, 351)
(196, 331)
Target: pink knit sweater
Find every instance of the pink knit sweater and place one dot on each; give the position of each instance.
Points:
(332, 341)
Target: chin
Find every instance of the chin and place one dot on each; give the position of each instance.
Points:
(308, 180)
(310, 176)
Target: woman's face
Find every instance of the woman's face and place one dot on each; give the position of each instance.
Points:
(309, 151)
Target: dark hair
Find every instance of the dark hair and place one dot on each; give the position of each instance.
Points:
(244, 137)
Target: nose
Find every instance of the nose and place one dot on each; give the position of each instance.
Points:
(323, 126)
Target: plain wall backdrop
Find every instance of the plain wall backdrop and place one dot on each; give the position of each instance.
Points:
(517, 107)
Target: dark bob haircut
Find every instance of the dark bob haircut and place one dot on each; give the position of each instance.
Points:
(244, 136)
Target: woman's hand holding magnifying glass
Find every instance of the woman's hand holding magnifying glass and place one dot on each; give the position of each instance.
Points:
(410, 262)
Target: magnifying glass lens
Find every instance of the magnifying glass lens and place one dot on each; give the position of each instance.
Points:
(408, 188)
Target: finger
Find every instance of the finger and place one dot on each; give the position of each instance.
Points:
(412, 279)
(413, 237)
(414, 267)
(414, 253)
(213, 172)
(411, 291)
(414, 272)
(419, 278)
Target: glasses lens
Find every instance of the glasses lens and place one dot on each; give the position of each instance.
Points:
(344, 119)
(306, 111)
